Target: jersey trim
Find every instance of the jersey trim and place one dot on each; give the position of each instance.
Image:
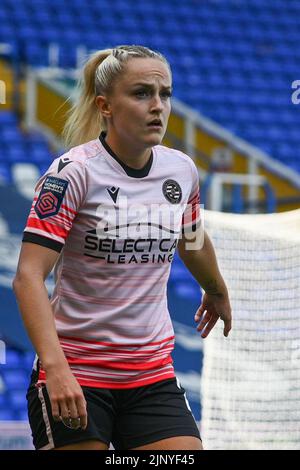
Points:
(133, 172)
(150, 377)
(43, 241)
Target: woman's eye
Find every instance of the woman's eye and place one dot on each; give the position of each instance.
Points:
(141, 93)
(166, 94)
(146, 94)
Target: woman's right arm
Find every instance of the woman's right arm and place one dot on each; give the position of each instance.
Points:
(65, 393)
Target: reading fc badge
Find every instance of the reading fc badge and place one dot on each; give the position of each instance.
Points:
(172, 191)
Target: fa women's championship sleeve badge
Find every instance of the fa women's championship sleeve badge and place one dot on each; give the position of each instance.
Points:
(172, 191)
(50, 197)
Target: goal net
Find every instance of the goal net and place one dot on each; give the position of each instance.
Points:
(250, 384)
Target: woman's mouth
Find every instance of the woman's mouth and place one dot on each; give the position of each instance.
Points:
(155, 124)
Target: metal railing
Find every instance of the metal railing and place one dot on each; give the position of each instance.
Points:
(215, 197)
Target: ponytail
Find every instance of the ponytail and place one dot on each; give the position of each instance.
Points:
(84, 121)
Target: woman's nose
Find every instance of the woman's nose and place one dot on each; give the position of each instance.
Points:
(157, 102)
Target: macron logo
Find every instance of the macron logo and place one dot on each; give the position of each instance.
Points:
(113, 192)
(62, 163)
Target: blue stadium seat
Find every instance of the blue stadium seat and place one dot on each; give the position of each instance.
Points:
(17, 155)
(36, 54)
(15, 379)
(14, 359)
(187, 290)
(178, 272)
(40, 155)
(4, 16)
(29, 357)
(10, 134)
(21, 17)
(5, 174)
(21, 415)
(72, 37)
(35, 138)
(18, 399)
(80, 3)
(16, 5)
(43, 167)
(35, 146)
(234, 43)
(28, 33)
(14, 145)
(64, 18)
(7, 33)
(50, 34)
(7, 415)
(4, 402)
(8, 118)
(292, 135)
(3, 151)
(41, 17)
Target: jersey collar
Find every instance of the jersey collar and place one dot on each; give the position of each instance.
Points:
(133, 172)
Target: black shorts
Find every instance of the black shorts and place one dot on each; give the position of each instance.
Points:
(126, 418)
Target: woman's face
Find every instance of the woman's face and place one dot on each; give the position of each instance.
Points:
(138, 108)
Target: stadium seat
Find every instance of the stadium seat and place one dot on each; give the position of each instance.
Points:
(3, 401)
(5, 174)
(67, 60)
(25, 176)
(15, 379)
(50, 34)
(16, 155)
(22, 414)
(13, 359)
(8, 118)
(18, 400)
(228, 57)
(36, 54)
(7, 32)
(4, 16)
(178, 272)
(186, 290)
(29, 357)
(10, 134)
(40, 17)
(7, 415)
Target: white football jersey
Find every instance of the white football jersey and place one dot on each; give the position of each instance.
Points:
(116, 229)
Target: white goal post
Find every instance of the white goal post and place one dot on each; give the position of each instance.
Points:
(250, 385)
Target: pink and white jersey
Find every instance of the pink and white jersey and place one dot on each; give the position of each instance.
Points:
(116, 229)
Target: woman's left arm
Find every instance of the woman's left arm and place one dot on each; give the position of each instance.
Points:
(202, 263)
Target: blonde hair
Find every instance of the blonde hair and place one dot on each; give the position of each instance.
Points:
(85, 122)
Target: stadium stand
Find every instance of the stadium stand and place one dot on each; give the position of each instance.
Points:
(20, 147)
(234, 62)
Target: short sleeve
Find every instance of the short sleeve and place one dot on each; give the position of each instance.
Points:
(191, 215)
(59, 194)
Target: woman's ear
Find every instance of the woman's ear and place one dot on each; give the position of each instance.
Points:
(103, 106)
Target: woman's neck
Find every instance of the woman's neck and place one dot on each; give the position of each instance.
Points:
(133, 158)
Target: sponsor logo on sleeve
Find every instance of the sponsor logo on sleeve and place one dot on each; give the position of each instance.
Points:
(50, 197)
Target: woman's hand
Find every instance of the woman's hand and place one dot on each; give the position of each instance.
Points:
(66, 396)
(213, 307)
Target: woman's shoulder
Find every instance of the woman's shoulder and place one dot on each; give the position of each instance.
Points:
(83, 152)
(74, 162)
(167, 153)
